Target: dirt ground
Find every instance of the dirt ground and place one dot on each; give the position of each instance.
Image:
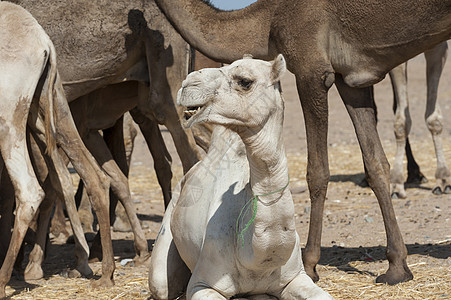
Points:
(353, 233)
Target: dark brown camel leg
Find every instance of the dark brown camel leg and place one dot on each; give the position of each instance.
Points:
(414, 174)
(95, 182)
(160, 154)
(360, 106)
(119, 186)
(313, 97)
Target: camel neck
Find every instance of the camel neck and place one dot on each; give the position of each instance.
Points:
(266, 155)
(241, 31)
(271, 221)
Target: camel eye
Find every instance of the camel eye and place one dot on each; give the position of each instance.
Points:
(245, 83)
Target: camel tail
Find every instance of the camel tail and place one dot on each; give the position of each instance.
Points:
(49, 119)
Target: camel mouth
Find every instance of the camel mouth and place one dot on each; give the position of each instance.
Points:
(191, 111)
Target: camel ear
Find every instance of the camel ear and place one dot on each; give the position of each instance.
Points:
(278, 68)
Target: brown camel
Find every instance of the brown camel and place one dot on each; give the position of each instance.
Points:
(32, 94)
(116, 42)
(352, 44)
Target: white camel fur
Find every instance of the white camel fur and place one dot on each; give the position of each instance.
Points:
(231, 218)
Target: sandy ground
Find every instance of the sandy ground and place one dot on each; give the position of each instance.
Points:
(353, 232)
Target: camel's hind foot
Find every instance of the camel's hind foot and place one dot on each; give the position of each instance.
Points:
(142, 259)
(33, 271)
(103, 282)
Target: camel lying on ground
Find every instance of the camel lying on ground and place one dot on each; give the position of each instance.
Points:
(231, 220)
(30, 85)
(435, 61)
(326, 43)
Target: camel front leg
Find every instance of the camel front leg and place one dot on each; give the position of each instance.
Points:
(435, 60)
(402, 127)
(313, 97)
(361, 107)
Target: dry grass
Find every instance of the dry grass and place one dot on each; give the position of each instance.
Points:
(347, 272)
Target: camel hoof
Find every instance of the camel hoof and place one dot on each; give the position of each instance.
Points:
(142, 259)
(121, 226)
(394, 196)
(447, 189)
(312, 274)
(392, 278)
(437, 191)
(33, 272)
(102, 283)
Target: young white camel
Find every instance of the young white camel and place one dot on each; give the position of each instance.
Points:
(27, 73)
(435, 61)
(231, 219)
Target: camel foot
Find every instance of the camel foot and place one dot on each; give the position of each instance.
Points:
(395, 276)
(143, 259)
(395, 196)
(121, 225)
(103, 282)
(77, 273)
(33, 271)
(447, 189)
(437, 190)
(311, 272)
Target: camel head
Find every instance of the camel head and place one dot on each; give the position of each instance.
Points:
(244, 93)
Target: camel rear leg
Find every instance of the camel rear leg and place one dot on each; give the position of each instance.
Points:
(119, 185)
(435, 60)
(95, 181)
(360, 106)
(29, 194)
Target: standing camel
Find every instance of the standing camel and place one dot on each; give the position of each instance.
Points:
(32, 90)
(435, 61)
(352, 44)
(100, 43)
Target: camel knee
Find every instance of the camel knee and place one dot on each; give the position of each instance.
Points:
(434, 123)
(29, 205)
(400, 128)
